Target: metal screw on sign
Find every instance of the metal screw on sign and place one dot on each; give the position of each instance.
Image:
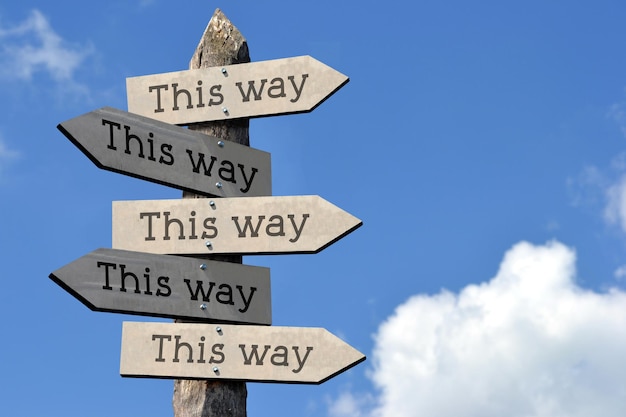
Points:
(203, 266)
(203, 306)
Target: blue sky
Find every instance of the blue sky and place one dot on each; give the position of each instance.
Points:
(481, 144)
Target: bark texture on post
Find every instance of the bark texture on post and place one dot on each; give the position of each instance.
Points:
(221, 44)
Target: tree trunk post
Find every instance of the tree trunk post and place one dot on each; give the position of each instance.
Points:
(221, 44)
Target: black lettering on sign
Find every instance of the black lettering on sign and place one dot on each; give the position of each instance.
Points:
(223, 296)
(245, 97)
(226, 172)
(128, 280)
(161, 337)
(175, 227)
(254, 232)
(279, 357)
(183, 97)
(137, 146)
(275, 90)
(275, 227)
(295, 88)
(187, 351)
(158, 88)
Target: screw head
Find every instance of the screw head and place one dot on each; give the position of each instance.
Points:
(203, 266)
(212, 203)
(202, 306)
(223, 70)
(208, 244)
(224, 110)
(218, 185)
(220, 143)
(218, 329)
(216, 369)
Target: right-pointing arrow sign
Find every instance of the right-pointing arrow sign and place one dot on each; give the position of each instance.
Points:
(247, 353)
(244, 225)
(263, 88)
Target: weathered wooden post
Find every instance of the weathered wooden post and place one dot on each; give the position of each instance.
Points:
(221, 44)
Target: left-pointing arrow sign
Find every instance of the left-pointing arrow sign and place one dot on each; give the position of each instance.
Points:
(155, 151)
(121, 281)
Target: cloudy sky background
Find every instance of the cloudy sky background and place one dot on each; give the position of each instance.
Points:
(482, 146)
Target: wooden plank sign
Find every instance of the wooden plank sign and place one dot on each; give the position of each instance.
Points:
(249, 353)
(168, 286)
(244, 225)
(144, 148)
(263, 88)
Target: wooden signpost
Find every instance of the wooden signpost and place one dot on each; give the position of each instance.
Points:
(144, 148)
(281, 86)
(243, 225)
(250, 353)
(139, 275)
(168, 286)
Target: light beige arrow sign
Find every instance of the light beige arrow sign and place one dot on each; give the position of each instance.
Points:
(234, 352)
(263, 88)
(243, 225)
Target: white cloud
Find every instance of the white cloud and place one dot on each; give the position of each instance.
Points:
(33, 46)
(349, 405)
(528, 343)
(603, 190)
(587, 188)
(615, 211)
(6, 156)
(5, 152)
(617, 112)
(620, 273)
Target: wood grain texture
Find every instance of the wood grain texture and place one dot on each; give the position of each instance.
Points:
(221, 44)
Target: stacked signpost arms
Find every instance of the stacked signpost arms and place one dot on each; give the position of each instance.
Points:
(144, 273)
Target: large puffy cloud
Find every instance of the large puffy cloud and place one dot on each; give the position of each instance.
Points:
(530, 342)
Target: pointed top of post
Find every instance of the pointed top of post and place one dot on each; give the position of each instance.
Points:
(221, 44)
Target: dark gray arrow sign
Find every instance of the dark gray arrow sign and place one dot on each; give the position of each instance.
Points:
(155, 151)
(249, 353)
(121, 281)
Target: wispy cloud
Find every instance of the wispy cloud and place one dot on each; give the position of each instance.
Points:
(7, 155)
(33, 46)
(604, 188)
(529, 342)
(615, 210)
(146, 3)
